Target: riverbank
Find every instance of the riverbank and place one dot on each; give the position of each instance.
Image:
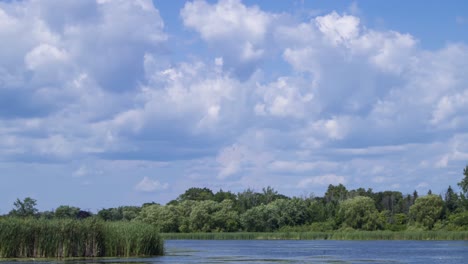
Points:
(337, 235)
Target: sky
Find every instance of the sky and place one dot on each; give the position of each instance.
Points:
(112, 102)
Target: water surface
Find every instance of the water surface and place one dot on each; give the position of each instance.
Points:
(301, 251)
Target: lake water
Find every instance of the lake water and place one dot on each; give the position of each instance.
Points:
(304, 251)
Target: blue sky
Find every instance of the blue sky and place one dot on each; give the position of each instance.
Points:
(107, 103)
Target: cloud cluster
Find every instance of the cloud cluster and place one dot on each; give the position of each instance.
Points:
(277, 101)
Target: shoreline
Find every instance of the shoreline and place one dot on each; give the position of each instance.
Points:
(332, 235)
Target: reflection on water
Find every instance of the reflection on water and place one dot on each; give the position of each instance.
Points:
(292, 251)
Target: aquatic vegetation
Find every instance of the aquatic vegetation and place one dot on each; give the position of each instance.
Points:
(62, 238)
(332, 235)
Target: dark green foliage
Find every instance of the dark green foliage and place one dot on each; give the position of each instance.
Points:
(464, 182)
(452, 201)
(248, 199)
(41, 238)
(339, 210)
(65, 211)
(336, 193)
(427, 210)
(222, 195)
(458, 221)
(126, 213)
(25, 208)
(165, 218)
(359, 213)
(196, 194)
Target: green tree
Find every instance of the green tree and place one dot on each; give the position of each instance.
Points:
(201, 217)
(336, 193)
(427, 210)
(196, 194)
(452, 200)
(269, 195)
(459, 221)
(359, 213)
(255, 219)
(464, 183)
(247, 199)
(222, 195)
(226, 219)
(318, 211)
(65, 211)
(130, 212)
(166, 218)
(185, 209)
(111, 214)
(24, 208)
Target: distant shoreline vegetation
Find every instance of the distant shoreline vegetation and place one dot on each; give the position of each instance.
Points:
(332, 235)
(199, 213)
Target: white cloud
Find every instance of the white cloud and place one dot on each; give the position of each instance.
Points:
(149, 185)
(297, 166)
(450, 106)
(230, 160)
(338, 29)
(286, 97)
(442, 162)
(335, 128)
(44, 55)
(232, 29)
(262, 97)
(226, 19)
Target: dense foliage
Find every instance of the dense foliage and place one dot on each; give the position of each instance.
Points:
(202, 210)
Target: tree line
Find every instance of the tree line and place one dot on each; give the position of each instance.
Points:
(202, 210)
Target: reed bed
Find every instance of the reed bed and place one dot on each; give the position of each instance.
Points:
(126, 239)
(38, 238)
(337, 235)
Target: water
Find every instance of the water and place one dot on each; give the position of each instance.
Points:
(303, 251)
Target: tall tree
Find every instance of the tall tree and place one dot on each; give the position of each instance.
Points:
(359, 213)
(464, 183)
(336, 193)
(451, 200)
(427, 210)
(196, 194)
(222, 195)
(24, 208)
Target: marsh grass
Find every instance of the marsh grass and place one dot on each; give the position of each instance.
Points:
(38, 238)
(337, 235)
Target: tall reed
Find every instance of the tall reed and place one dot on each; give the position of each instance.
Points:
(39, 238)
(126, 239)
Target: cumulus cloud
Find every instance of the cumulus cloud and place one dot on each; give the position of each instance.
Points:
(238, 32)
(338, 29)
(258, 97)
(63, 73)
(227, 18)
(149, 185)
